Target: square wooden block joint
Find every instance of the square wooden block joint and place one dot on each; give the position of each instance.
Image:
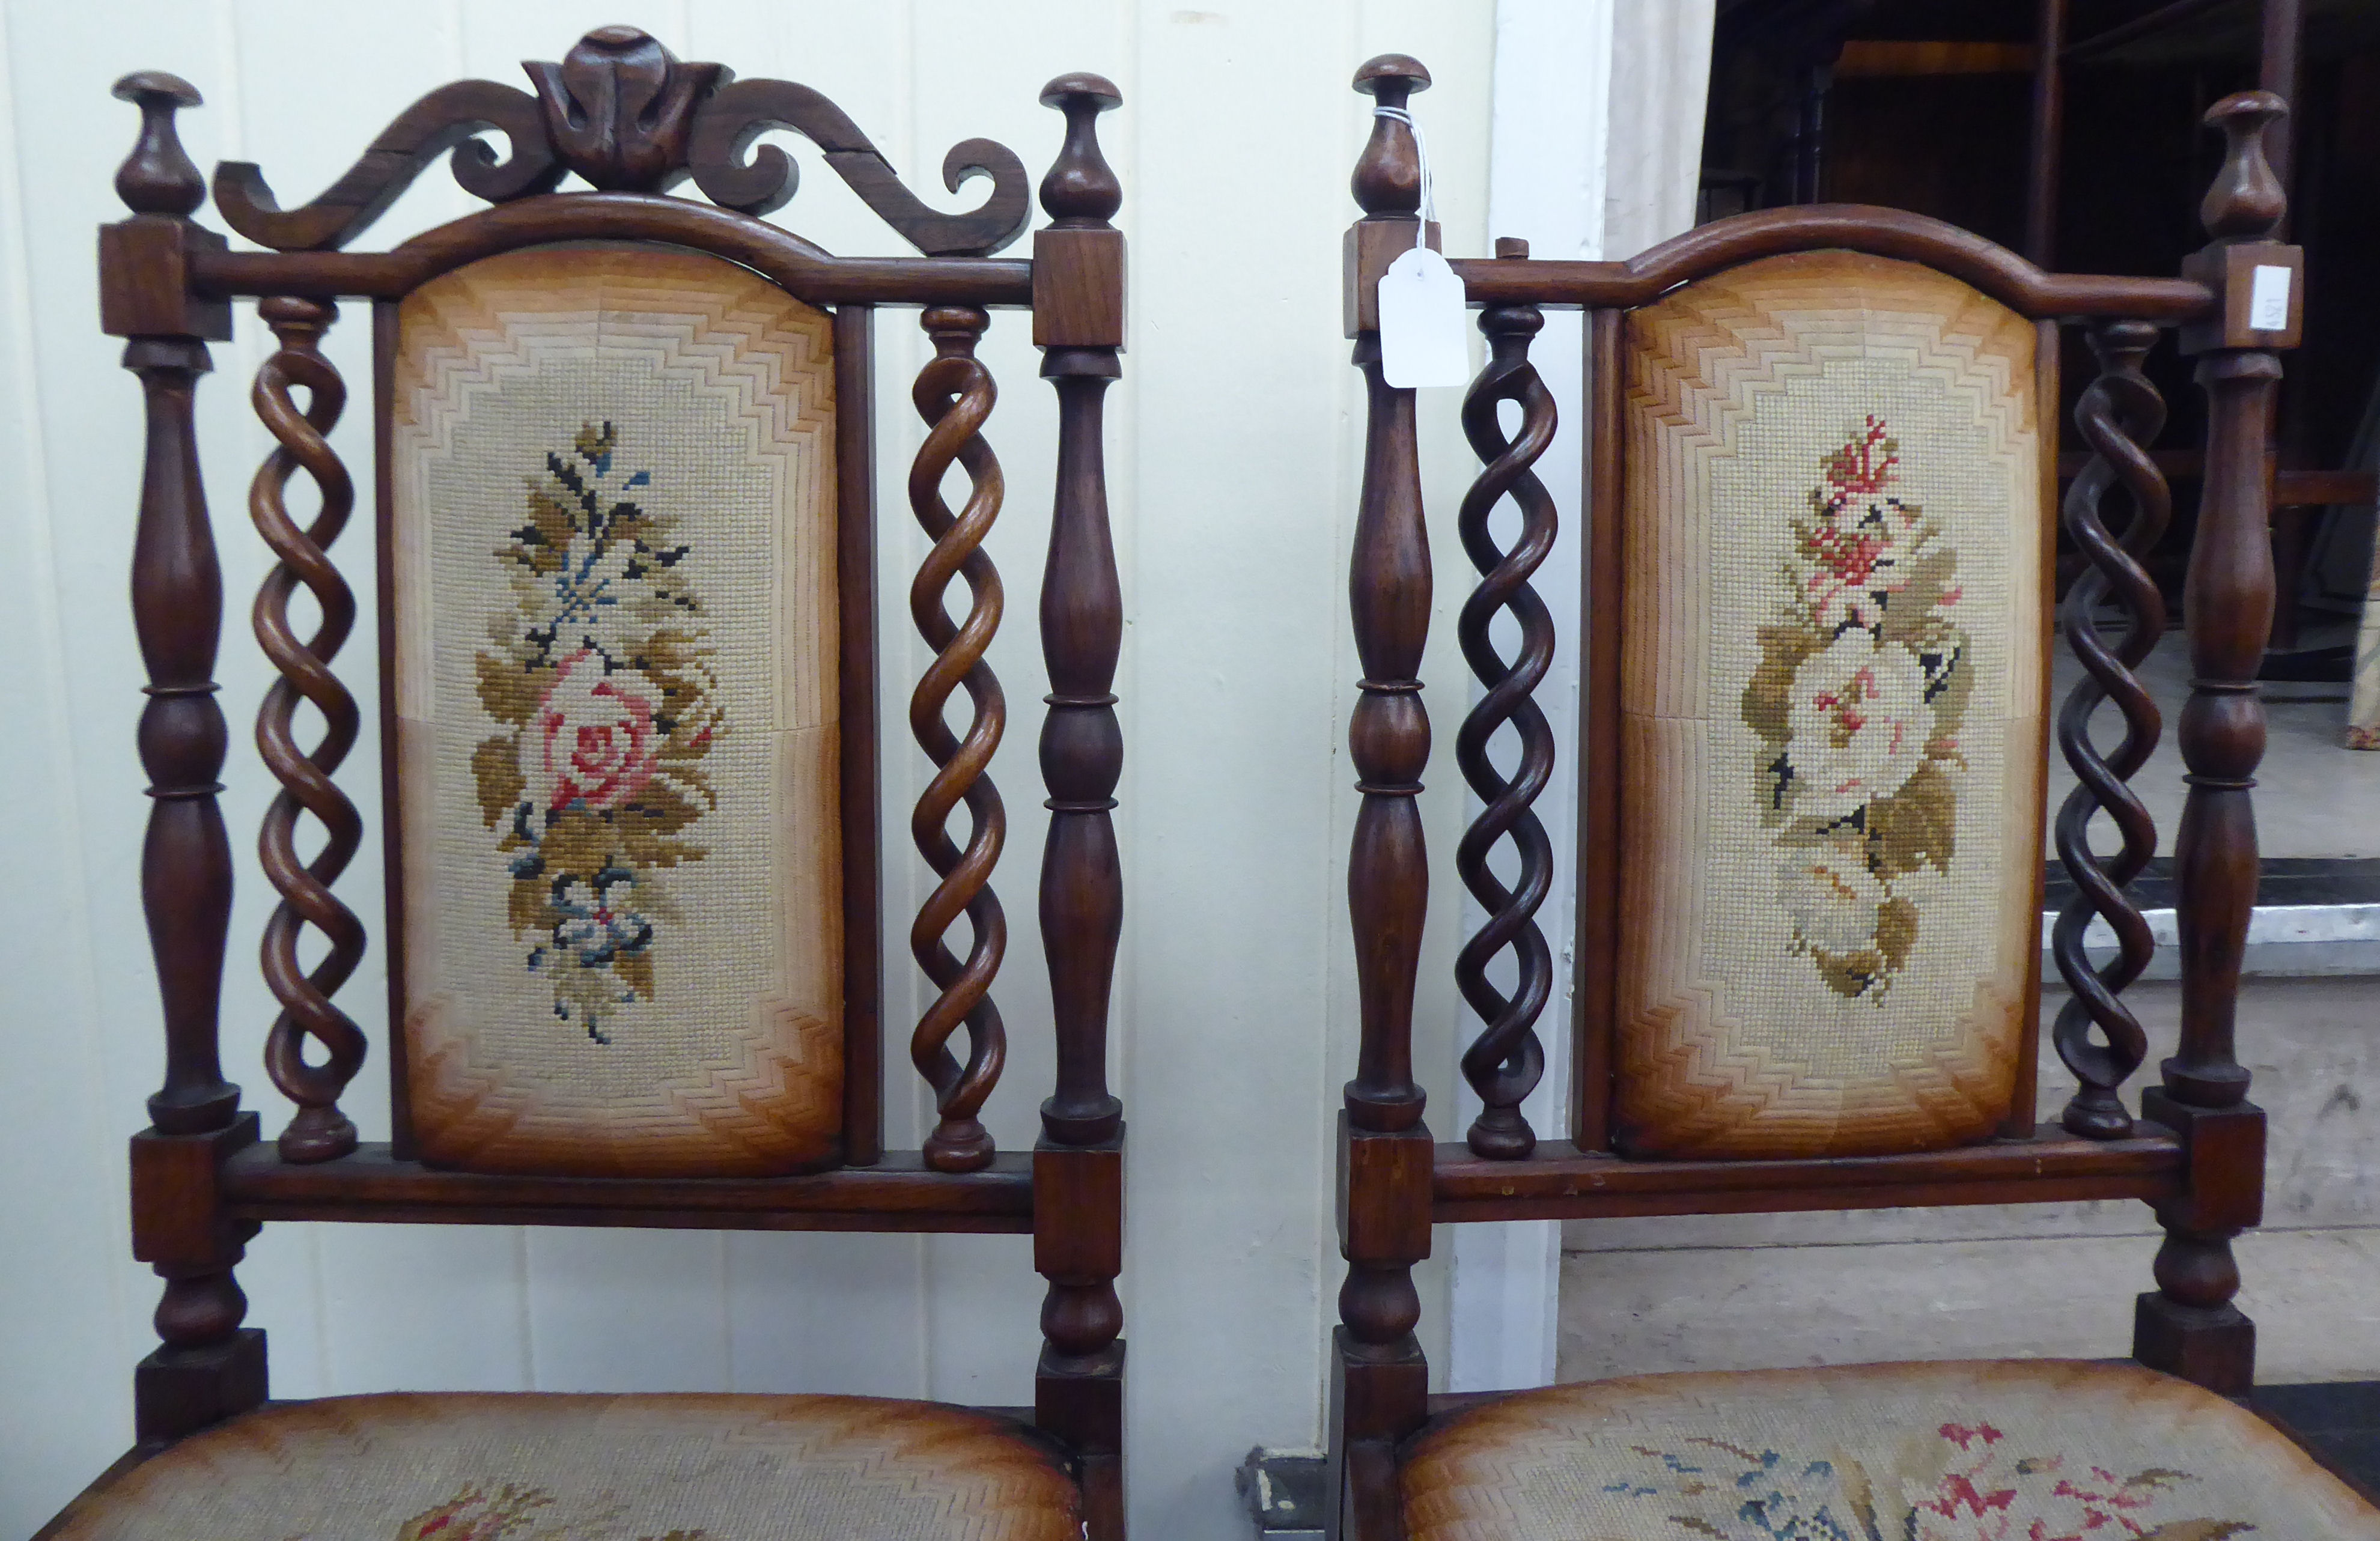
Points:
(1384, 1194)
(1078, 288)
(2261, 288)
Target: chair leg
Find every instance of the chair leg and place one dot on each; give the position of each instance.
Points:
(177, 1391)
(1082, 1404)
(1374, 1401)
(2187, 1326)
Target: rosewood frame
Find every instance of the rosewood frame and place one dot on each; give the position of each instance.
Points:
(632, 121)
(2196, 1151)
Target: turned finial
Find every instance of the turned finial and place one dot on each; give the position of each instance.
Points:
(2246, 202)
(1080, 191)
(1388, 174)
(158, 176)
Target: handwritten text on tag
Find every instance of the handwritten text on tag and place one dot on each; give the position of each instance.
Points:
(2268, 299)
(1422, 340)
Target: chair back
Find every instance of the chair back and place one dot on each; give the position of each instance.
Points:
(623, 530)
(1819, 537)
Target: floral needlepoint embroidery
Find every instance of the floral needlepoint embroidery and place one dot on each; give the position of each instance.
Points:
(1857, 698)
(473, 1515)
(599, 678)
(1963, 1484)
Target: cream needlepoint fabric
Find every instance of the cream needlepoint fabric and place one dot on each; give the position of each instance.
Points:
(1833, 671)
(2020, 1451)
(404, 1467)
(616, 700)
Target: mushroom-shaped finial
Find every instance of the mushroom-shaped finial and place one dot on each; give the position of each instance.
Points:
(2246, 202)
(158, 178)
(1388, 174)
(1080, 191)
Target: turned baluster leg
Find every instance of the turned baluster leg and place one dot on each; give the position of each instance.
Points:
(1379, 1382)
(2189, 1326)
(207, 1365)
(1078, 265)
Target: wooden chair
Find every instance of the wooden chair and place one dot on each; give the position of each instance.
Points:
(623, 534)
(1817, 562)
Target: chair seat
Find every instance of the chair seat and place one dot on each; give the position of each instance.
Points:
(534, 1467)
(2013, 1450)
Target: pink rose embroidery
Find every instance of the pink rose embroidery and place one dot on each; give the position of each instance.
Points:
(592, 740)
(600, 682)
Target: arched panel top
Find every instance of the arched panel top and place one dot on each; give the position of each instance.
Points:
(612, 569)
(785, 259)
(1830, 709)
(1895, 233)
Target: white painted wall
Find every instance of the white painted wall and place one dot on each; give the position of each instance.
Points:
(1231, 444)
(1232, 452)
(1594, 145)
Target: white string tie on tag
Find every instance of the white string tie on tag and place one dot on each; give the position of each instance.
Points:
(1419, 299)
(1421, 152)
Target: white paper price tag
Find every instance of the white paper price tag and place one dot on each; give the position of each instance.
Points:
(2268, 299)
(1422, 314)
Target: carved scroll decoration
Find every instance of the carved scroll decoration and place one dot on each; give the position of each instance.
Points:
(741, 112)
(627, 115)
(1506, 1060)
(452, 117)
(320, 1132)
(955, 395)
(2118, 415)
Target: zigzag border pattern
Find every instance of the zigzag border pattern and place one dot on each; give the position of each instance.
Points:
(868, 1468)
(775, 1105)
(1700, 1075)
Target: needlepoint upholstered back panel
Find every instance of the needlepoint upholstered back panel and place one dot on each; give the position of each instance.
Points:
(615, 690)
(1833, 655)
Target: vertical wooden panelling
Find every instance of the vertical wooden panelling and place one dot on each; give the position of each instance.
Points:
(421, 1307)
(1545, 183)
(55, 1112)
(825, 1312)
(628, 1310)
(781, 1288)
(433, 1306)
(1229, 458)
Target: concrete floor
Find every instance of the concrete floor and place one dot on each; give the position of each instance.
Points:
(1770, 1291)
(2313, 797)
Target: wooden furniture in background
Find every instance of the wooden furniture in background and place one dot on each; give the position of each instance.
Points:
(1900, 108)
(631, 122)
(2195, 1147)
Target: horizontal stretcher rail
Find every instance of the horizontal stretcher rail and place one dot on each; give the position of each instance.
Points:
(1561, 1182)
(897, 1195)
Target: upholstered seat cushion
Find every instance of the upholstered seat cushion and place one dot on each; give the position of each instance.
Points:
(407, 1467)
(2016, 1451)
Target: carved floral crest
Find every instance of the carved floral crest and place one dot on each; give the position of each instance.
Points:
(625, 115)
